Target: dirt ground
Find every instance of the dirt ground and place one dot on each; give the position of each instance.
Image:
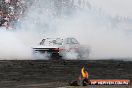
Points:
(51, 85)
(58, 73)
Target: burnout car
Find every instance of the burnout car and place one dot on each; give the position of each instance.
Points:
(67, 48)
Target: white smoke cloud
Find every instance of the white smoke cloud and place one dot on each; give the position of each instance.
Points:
(11, 47)
(114, 7)
(71, 55)
(97, 31)
(109, 36)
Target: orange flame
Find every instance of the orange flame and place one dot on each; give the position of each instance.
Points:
(84, 73)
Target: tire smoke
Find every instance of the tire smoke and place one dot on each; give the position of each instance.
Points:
(109, 36)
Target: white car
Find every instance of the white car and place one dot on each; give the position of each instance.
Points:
(67, 48)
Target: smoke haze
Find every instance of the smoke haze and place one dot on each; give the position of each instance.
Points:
(108, 35)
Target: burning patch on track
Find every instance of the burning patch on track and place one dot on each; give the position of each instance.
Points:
(84, 80)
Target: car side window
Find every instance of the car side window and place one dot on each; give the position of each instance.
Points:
(74, 41)
(71, 41)
(68, 41)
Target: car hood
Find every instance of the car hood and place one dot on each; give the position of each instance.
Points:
(46, 46)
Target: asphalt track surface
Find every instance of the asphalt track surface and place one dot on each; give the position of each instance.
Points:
(58, 73)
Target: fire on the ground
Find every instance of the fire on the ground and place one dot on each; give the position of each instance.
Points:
(85, 75)
(85, 80)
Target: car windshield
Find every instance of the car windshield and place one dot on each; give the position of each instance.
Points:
(42, 42)
(49, 41)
